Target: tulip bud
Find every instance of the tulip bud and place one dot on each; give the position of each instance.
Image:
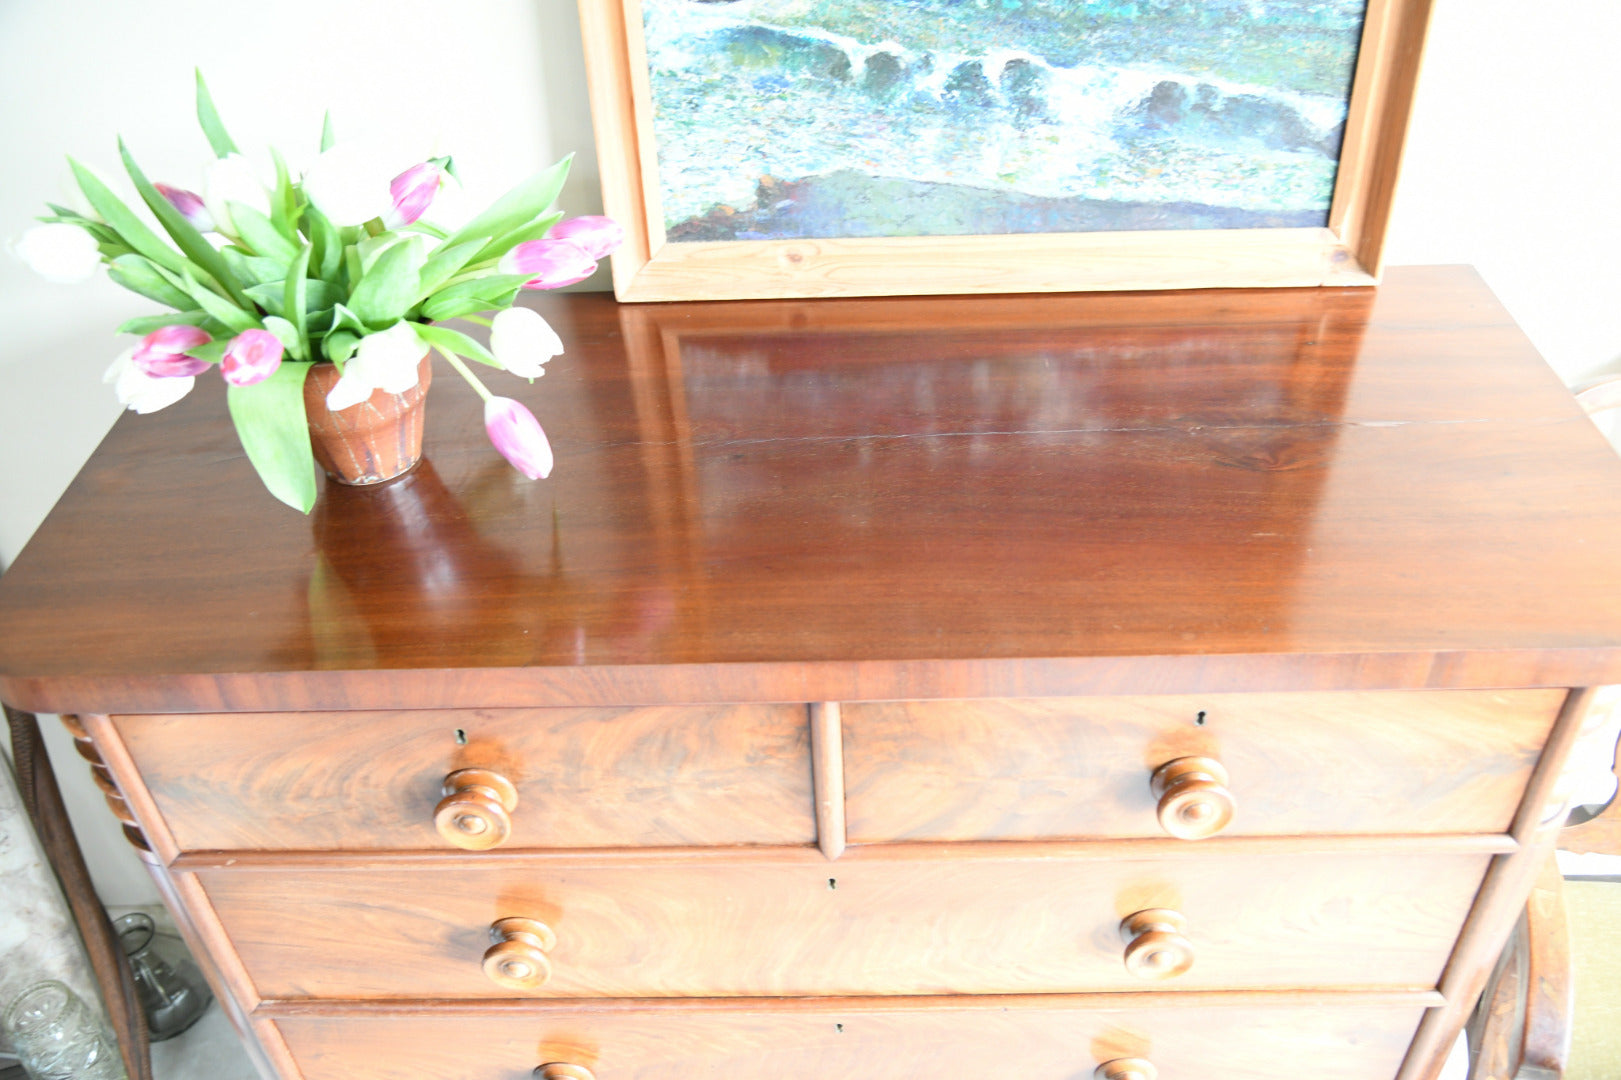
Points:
(551, 264)
(59, 252)
(412, 191)
(523, 341)
(141, 392)
(599, 236)
(517, 435)
(251, 357)
(162, 353)
(191, 207)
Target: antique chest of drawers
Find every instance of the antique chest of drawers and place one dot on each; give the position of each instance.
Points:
(1170, 685)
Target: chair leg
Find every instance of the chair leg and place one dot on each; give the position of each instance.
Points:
(1522, 1027)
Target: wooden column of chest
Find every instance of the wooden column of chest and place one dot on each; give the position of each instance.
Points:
(1169, 683)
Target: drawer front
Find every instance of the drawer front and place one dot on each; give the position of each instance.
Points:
(1245, 1041)
(1296, 764)
(986, 924)
(583, 777)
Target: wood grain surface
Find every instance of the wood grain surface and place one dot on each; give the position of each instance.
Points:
(877, 500)
(859, 926)
(1298, 763)
(585, 778)
(1508, 883)
(1524, 1023)
(1345, 1042)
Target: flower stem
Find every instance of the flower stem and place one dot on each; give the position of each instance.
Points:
(479, 319)
(461, 368)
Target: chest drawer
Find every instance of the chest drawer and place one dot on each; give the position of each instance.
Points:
(729, 926)
(1257, 1039)
(582, 777)
(1293, 764)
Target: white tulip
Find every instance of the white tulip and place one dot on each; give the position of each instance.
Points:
(231, 179)
(59, 252)
(141, 392)
(349, 185)
(385, 361)
(523, 341)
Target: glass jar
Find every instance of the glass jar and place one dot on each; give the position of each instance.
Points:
(57, 1037)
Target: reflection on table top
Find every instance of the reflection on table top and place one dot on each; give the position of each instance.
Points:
(877, 498)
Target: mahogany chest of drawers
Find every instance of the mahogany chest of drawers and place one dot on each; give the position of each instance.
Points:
(1170, 684)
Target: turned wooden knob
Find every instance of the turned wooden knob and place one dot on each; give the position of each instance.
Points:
(559, 1070)
(1193, 798)
(518, 958)
(1155, 947)
(1125, 1069)
(476, 811)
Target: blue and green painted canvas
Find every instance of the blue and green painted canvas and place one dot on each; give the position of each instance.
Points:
(852, 118)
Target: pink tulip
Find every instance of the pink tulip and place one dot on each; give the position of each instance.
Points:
(550, 264)
(251, 357)
(412, 191)
(190, 205)
(517, 434)
(599, 236)
(162, 353)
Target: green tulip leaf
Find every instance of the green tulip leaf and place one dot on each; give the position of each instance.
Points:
(288, 335)
(453, 309)
(122, 220)
(212, 352)
(519, 206)
(329, 137)
(495, 291)
(269, 296)
(326, 244)
(445, 339)
(139, 275)
(535, 230)
(208, 118)
(427, 229)
(252, 269)
(284, 202)
(145, 324)
(261, 234)
(219, 307)
(274, 429)
(296, 299)
(444, 262)
(389, 288)
(344, 319)
(198, 250)
(339, 346)
(371, 248)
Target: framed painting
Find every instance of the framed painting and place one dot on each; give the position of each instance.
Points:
(802, 148)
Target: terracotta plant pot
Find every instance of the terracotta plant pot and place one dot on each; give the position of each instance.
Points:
(377, 440)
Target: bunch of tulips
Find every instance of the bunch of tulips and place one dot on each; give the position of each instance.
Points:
(342, 264)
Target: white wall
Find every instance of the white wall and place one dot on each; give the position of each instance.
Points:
(1512, 165)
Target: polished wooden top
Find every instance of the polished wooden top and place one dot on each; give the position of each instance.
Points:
(844, 499)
